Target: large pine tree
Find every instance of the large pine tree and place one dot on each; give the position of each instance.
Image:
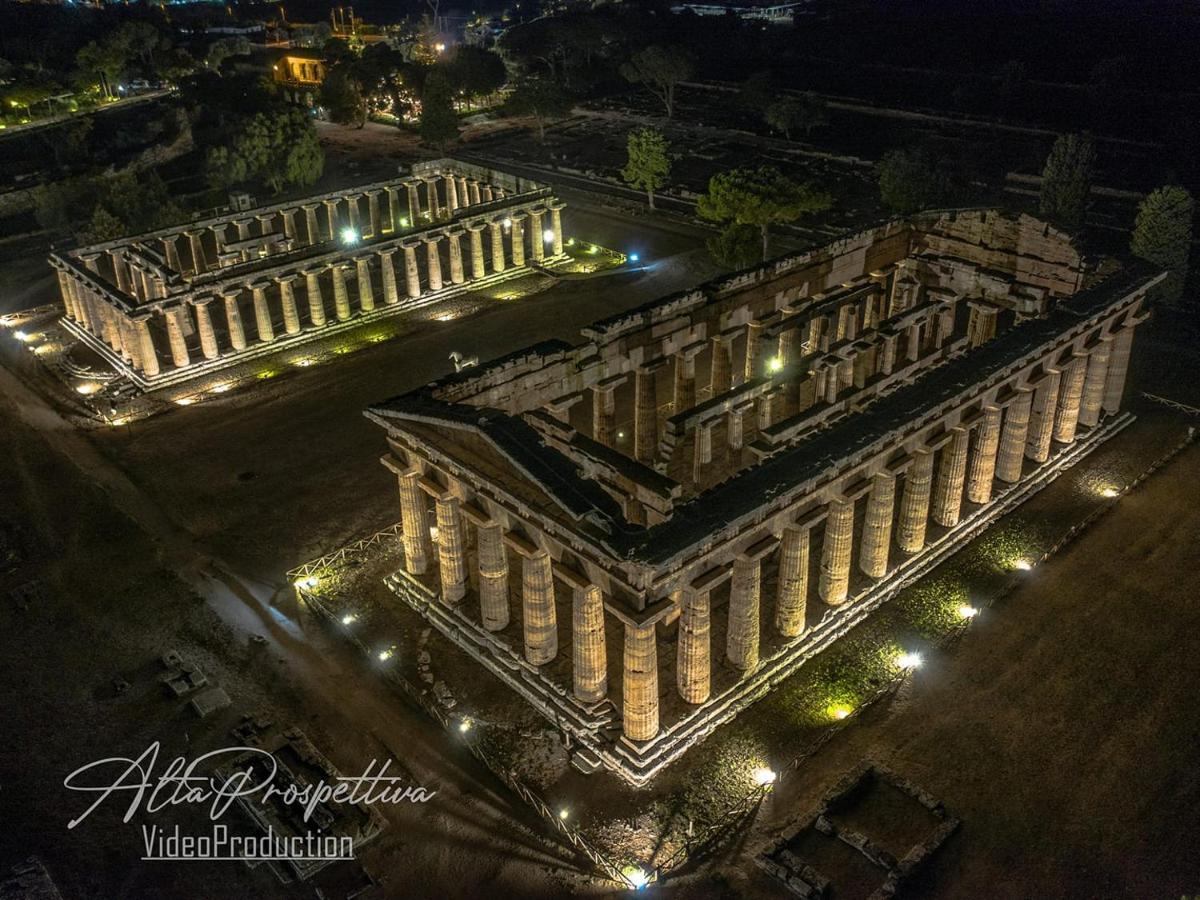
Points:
(1163, 235)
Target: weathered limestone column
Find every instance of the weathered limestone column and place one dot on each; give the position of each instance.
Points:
(1094, 383)
(486, 192)
(556, 239)
(540, 619)
(264, 223)
(464, 197)
(316, 302)
(204, 325)
(196, 244)
(702, 451)
(352, 206)
(1041, 419)
(478, 270)
(914, 503)
(589, 655)
(287, 301)
(1118, 366)
(233, 318)
(179, 350)
(453, 241)
(640, 683)
(1014, 436)
(392, 222)
(684, 394)
(414, 203)
(948, 494)
(312, 231)
(836, 551)
(473, 188)
(341, 300)
(331, 216)
(452, 552)
(753, 349)
(518, 239)
(387, 270)
(493, 577)
(721, 377)
(537, 243)
(433, 205)
(735, 428)
(171, 250)
(414, 523)
(742, 637)
(262, 312)
(412, 275)
(877, 527)
(604, 405)
(373, 212)
(1067, 418)
(451, 193)
(645, 416)
(243, 229)
(433, 261)
(791, 599)
(693, 664)
(983, 463)
(289, 224)
(366, 293)
(149, 355)
(497, 246)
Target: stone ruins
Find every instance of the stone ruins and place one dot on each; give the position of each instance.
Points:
(643, 532)
(174, 305)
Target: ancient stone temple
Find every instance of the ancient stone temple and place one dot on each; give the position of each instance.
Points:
(178, 304)
(645, 531)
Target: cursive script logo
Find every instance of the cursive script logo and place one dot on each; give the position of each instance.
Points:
(182, 783)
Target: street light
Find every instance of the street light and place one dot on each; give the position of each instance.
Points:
(349, 236)
(764, 776)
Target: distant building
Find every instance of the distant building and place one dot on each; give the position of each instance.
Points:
(774, 14)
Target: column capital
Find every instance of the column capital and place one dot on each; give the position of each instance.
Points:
(286, 277)
(432, 238)
(478, 225)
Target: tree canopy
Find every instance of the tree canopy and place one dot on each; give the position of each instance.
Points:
(342, 96)
(1162, 235)
(659, 70)
(1067, 180)
(278, 148)
(648, 163)
(439, 121)
(540, 98)
(793, 112)
(913, 179)
(760, 197)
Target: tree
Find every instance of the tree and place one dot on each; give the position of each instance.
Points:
(540, 98)
(1067, 179)
(735, 246)
(279, 148)
(475, 72)
(1162, 235)
(342, 95)
(804, 112)
(759, 91)
(224, 49)
(106, 61)
(912, 180)
(659, 70)
(439, 121)
(648, 164)
(760, 197)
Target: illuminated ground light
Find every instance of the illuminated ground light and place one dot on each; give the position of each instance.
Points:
(385, 655)
(404, 222)
(349, 619)
(548, 235)
(507, 223)
(310, 581)
(1023, 564)
(349, 236)
(87, 388)
(564, 814)
(466, 724)
(222, 387)
(303, 363)
(117, 423)
(446, 317)
(21, 336)
(1109, 492)
(909, 661)
(839, 711)
(635, 877)
(774, 364)
(967, 612)
(633, 257)
(269, 373)
(378, 338)
(570, 242)
(185, 401)
(764, 776)
(620, 435)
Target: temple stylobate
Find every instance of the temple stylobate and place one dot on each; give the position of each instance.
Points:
(644, 532)
(179, 303)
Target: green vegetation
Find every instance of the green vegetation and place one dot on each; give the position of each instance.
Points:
(1067, 180)
(540, 98)
(659, 70)
(1163, 235)
(912, 180)
(342, 96)
(759, 197)
(802, 112)
(439, 121)
(102, 207)
(649, 163)
(277, 148)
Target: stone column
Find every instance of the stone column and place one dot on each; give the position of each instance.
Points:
(233, 318)
(702, 452)
(1067, 418)
(196, 244)
(684, 395)
(742, 638)
(391, 295)
(243, 229)
(414, 203)
(540, 620)
(1118, 365)
(478, 269)
(262, 313)
(454, 243)
(352, 206)
(518, 239)
(412, 276)
(431, 196)
(486, 193)
(983, 463)
(373, 213)
(175, 329)
(640, 683)
(331, 215)
(289, 224)
(392, 223)
(877, 527)
(264, 223)
(464, 198)
(493, 577)
(287, 301)
(1014, 436)
(341, 300)
(537, 242)
(414, 523)
(204, 325)
(172, 252)
(753, 349)
(473, 187)
(452, 553)
(735, 428)
(312, 230)
(149, 354)
(947, 497)
(451, 194)
(316, 302)
(589, 655)
(791, 599)
(1094, 383)
(366, 292)
(497, 246)
(604, 406)
(914, 503)
(1041, 419)
(693, 664)
(556, 240)
(433, 261)
(836, 551)
(645, 416)
(721, 376)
